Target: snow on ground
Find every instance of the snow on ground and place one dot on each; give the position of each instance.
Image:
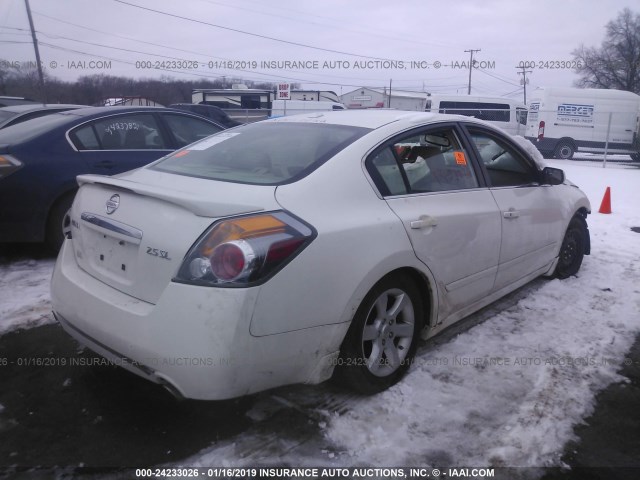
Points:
(24, 294)
(531, 371)
(506, 391)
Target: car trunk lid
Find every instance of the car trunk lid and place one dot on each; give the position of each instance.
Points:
(133, 231)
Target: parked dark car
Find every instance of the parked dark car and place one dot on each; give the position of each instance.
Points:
(21, 113)
(40, 159)
(214, 113)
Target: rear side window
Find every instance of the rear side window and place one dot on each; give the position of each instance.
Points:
(123, 132)
(264, 153)
(430, 161)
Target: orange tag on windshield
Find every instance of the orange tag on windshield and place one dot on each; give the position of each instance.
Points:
(182, 153)
(460, 158)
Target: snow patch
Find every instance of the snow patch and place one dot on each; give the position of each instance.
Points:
(24, 290)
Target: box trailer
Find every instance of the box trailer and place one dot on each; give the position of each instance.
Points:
(563, 121)
(241, 104)
(283, 108)
(510, 115)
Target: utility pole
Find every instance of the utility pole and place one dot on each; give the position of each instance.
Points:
(471, 52)
(35, 47)
(524, 81)
(389, 105)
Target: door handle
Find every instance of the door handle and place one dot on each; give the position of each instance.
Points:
(511, 213)
(423, 222)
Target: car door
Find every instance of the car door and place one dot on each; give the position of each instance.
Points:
(430, 181)
(117, 143)
(531, 216)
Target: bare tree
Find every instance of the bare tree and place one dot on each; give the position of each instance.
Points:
(616, 64)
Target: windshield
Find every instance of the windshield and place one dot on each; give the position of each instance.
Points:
(264, 153)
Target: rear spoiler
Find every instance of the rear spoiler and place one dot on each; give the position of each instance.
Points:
(194, 203)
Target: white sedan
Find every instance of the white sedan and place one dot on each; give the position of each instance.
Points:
(305, 247)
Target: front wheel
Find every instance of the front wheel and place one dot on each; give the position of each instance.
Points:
(383, 336)
(573, 248)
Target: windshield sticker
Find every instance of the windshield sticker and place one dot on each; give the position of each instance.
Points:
(210, 142)
(181, 153)
(460, 158)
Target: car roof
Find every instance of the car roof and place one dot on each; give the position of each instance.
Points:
(29, 107)
(97, 111)
(374, 118)
(27, 131)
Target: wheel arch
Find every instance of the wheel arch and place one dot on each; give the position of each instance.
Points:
(421, 277)
(62, 197)
(568, 140)
(582, 213)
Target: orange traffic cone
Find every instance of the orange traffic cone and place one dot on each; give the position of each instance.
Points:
(605, 206)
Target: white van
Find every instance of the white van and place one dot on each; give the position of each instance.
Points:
(510, 115)
(281, 108)
(565, 120)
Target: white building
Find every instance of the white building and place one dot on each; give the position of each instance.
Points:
(365, 97)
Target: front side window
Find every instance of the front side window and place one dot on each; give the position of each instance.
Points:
(262, 153)
(506, 166)
(430, 161)
(187, 129)
(121, 132)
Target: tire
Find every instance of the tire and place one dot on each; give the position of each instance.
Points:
(573, 248)
(382, 339)
(564, 151)
(55, 223)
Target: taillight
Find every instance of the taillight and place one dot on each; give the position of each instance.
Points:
(541, 130)
(8, 165)
(244, 251)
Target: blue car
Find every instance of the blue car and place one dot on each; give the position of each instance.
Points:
(40, 159)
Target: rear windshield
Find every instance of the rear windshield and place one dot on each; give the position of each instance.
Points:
(24, 131)
(4, 116)
(263, 153)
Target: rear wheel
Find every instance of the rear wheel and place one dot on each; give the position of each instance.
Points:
(58, 222)
(564, 150)
(573, 248)
(383, 336)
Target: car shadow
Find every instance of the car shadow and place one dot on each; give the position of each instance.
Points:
(63, 406)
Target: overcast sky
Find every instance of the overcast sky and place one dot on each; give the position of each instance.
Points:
(363, 42)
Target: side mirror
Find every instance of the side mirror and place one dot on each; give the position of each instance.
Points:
(552, 176)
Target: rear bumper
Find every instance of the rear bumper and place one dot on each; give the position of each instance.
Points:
(195, 340)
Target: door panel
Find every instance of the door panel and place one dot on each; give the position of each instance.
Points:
(530, 213)
(530, 225)
(458, 239)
